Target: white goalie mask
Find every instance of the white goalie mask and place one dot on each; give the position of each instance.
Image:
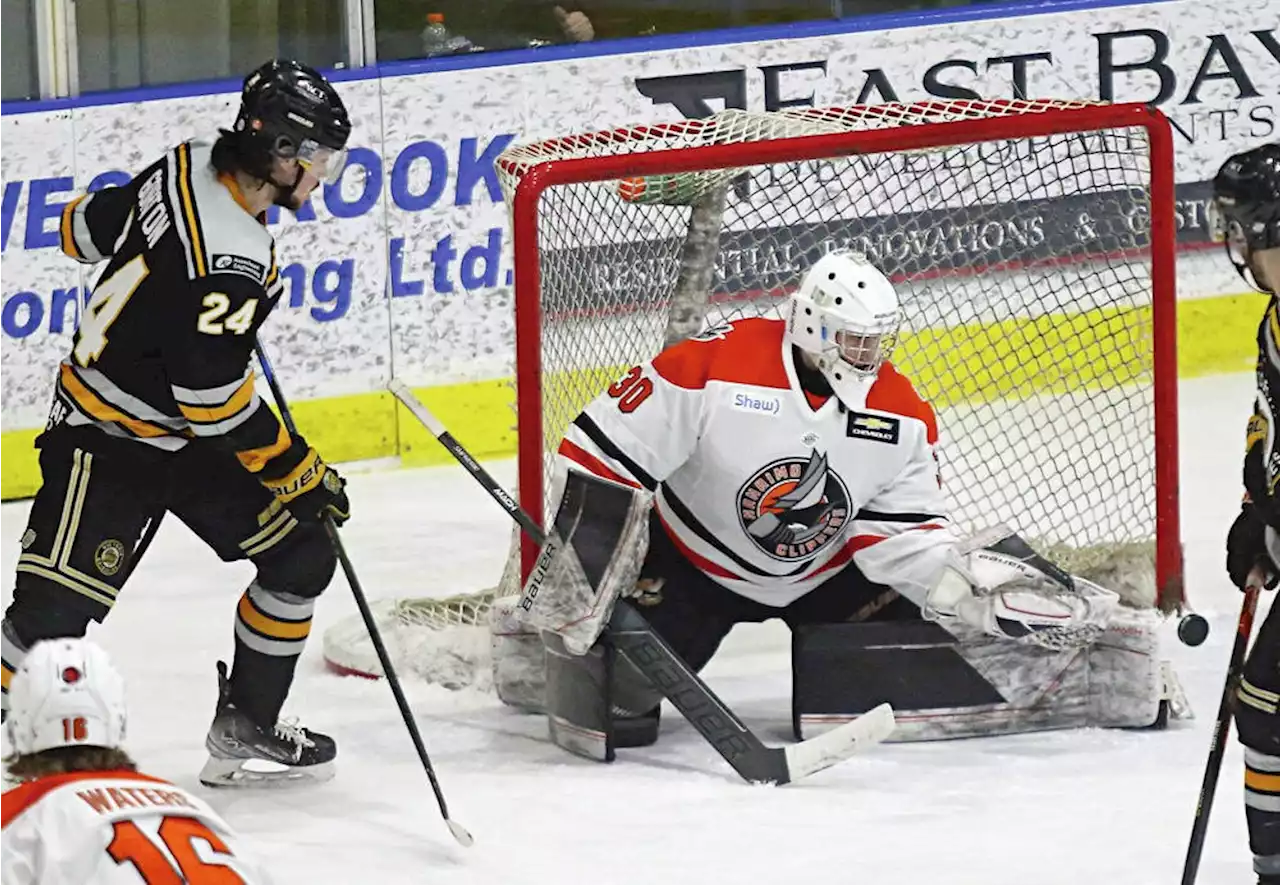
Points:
(65, 693)
(845, 315)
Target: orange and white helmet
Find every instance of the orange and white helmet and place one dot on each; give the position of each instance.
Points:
(65, 693)
(845, 314)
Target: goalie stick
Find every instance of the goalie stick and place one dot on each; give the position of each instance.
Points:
(458, 831)
(636, 638)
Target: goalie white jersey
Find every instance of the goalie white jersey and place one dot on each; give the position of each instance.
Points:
(116, 828)
(767, 489)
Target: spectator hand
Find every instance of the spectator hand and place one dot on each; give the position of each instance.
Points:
(575, 25)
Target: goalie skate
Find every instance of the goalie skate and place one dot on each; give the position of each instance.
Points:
(245, 754)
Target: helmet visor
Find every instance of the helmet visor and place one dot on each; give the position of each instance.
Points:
(325, 163)
(1227, 230)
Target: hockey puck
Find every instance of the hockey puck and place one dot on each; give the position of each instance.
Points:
(1193, 629)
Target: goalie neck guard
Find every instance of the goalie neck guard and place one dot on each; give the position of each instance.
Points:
(845, 317)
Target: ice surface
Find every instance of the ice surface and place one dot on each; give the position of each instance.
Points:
(1065, 807)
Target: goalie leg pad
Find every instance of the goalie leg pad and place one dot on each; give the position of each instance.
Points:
(958, 682)
(579, 718)
(518, 656)
(592, 554)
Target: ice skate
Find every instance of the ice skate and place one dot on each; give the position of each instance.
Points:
(245, 754)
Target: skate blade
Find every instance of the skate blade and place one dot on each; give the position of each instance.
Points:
(241, 773)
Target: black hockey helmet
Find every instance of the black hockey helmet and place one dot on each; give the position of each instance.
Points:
(1245, 211)
(288, 110)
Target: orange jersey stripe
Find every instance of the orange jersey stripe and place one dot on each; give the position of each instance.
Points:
(210, 414)
(255, 459)
(24, 795)
(748, 354)
(89, 401)
(701, 562)
(65, 234)
(581, 456)
(189, 207)
(893, 393)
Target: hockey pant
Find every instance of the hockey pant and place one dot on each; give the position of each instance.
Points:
(98, 494)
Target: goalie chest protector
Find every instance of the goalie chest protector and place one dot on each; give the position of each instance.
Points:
(757, 482)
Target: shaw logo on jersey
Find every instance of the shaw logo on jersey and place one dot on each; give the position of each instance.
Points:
(794, 507)
(768, 405)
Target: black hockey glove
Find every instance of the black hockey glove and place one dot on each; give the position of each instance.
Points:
(312, 490)
(1247, 547)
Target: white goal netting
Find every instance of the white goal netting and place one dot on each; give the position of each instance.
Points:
(1036, 295)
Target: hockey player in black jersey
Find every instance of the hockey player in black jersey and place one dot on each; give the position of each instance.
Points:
(155, 411)
(1247, 208)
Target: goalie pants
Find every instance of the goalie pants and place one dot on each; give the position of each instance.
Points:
(97, 496)
(1258, 721)
(694, 614)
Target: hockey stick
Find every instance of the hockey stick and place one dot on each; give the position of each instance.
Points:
(459, 832)
(148, 535)
(634, 637)
(1221, 728)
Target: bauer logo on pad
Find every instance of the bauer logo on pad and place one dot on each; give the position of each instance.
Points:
(876, 427)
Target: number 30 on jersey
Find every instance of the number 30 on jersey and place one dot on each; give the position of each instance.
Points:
(631, 390)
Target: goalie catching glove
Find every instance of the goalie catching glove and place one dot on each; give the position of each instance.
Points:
(996, 583)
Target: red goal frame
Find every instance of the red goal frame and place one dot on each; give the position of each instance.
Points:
(535, 180)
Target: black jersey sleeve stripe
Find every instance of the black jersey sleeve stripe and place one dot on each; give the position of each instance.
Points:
(593, 432)
(190, 217)
(877, 516)
(682, 512)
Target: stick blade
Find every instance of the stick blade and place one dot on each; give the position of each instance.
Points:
(825, 750)
(465, 839)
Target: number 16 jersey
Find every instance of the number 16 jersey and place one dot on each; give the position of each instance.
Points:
(117, 828)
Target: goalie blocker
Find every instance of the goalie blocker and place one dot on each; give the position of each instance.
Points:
(1007, 642)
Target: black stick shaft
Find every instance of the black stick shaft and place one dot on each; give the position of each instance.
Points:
(1218, 746)
(384, 659)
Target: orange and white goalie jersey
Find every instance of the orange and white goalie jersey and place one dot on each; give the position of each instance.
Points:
(767, 490)
(116, 828)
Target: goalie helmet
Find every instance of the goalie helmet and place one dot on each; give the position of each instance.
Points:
(1245, 210)
(845, 315)
(65, 693)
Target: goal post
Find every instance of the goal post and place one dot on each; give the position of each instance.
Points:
(1110, 162)
(1032, 245)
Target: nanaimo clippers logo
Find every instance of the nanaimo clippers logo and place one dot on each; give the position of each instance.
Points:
(794, 507)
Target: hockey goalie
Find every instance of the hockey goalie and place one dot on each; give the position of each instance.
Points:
(785, 469)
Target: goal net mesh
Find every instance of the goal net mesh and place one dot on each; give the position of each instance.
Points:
(1023, 267)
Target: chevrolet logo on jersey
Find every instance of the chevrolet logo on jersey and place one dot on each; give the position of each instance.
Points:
(874, 427)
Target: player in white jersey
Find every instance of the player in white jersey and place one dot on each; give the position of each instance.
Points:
(82, 814)
(793, 474)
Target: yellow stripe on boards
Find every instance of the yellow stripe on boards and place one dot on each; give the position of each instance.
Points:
(1215, 335)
